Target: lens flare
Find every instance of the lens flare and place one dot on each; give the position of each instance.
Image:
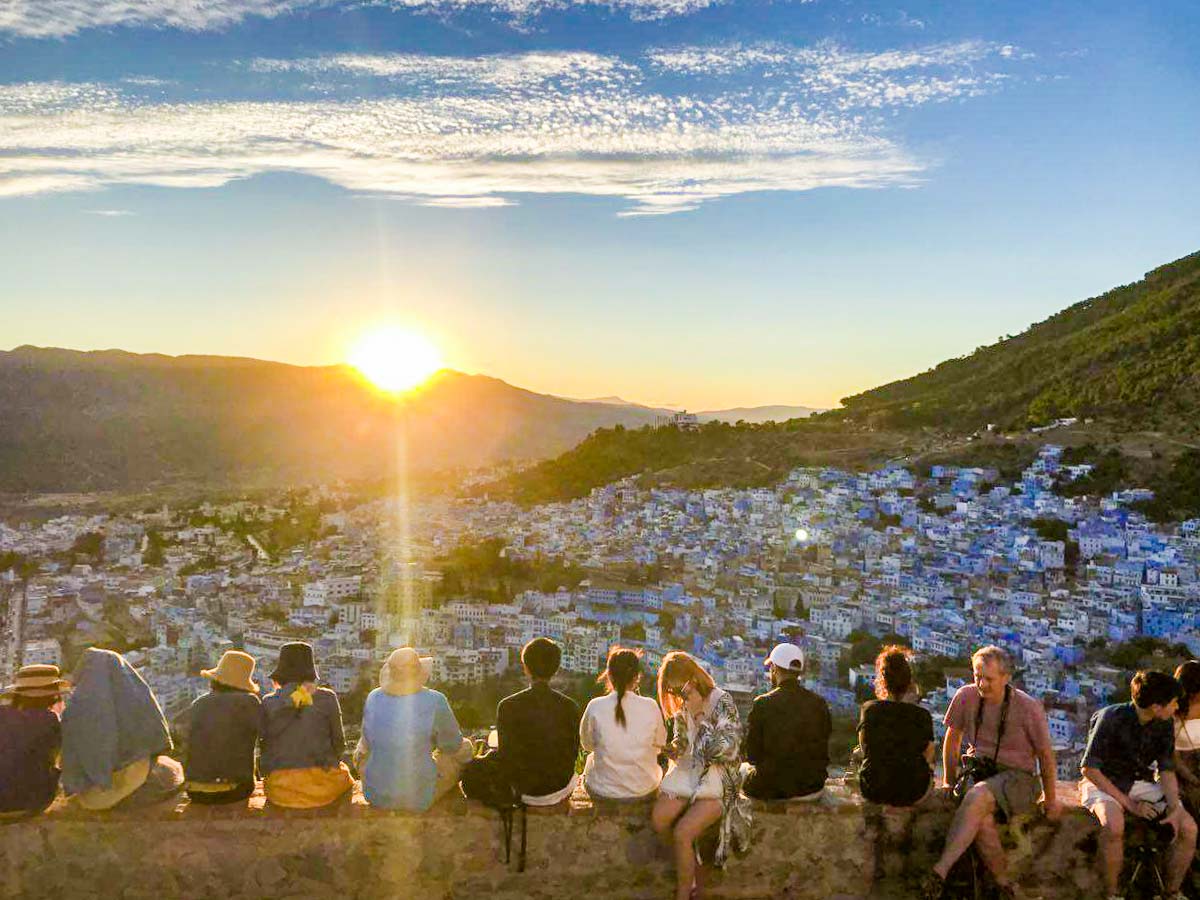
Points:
(395, 359)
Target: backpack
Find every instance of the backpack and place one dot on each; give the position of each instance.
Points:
(486, 780)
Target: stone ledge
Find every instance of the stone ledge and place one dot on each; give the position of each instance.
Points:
(839, 847)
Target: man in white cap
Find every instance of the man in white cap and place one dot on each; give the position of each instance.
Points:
(787, 734)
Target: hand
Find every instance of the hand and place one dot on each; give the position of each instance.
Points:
(692, 700)
(1052, 809)
(1143, 809)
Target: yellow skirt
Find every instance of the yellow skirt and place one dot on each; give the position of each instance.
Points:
(307, 788)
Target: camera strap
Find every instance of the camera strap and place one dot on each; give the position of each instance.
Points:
(1003, 721)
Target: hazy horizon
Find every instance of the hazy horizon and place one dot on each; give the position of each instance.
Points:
(687, 203)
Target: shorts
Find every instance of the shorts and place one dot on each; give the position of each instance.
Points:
(1016, 792)
(1150, 791)
(682, 782)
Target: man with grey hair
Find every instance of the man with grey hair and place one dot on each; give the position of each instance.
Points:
(1008, 746)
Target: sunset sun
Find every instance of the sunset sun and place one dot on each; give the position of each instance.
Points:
(395, 359)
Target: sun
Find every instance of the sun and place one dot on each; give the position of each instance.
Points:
(395, 359)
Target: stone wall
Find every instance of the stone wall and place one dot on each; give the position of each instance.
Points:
(840, 848)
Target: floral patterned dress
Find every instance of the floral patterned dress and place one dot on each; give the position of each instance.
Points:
(717, 745)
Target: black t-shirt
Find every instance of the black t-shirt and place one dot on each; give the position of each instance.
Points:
(538, 732)
(30, 740)
(894, 737)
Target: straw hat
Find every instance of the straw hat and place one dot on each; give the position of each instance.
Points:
(38, 681)
(235, 670)
(405, 672)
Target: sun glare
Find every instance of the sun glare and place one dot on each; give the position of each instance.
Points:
(395, 359)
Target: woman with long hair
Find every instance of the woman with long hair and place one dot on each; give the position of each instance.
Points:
(622, 732)
(1187, 736)
(702, 787)
(896, 736)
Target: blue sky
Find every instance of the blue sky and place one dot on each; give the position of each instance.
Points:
(689, 202)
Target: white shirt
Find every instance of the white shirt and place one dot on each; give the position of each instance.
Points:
(623, 761)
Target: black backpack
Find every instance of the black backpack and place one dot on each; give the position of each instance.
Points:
(486, 780)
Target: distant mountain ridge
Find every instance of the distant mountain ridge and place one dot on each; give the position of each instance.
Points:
(1131, 355)
(100, 420)
(753, 414)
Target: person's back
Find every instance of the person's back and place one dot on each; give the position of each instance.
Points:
(297, 734)
(787, 742)
(223, 730)
(29, 742)
(624, 758)
(539, 738)
(401, 732)
(895, 737)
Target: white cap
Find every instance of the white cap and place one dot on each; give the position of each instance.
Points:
(787, 656)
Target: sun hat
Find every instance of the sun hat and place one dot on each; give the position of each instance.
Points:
(296, 664)
(788, 657)
(37, 681)
(235, 670)
(405, 672)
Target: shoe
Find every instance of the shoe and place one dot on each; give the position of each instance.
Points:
(932, 886)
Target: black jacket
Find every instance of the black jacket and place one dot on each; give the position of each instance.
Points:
(223, 729)
(787, 743)
(538, 732)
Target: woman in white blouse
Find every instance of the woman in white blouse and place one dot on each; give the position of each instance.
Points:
(623, 733)
(1187, 735)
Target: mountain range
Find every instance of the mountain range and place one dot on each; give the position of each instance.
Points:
(111, 420)
(755, 415)
(105, 420)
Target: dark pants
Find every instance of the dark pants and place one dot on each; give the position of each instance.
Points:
(240, 793)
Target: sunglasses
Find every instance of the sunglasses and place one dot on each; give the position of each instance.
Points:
(681, 691)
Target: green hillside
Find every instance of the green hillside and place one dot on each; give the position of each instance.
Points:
(1131, 356)
(715, 455)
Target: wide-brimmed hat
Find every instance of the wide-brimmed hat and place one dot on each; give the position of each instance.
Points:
(296, 664)
(405, 671)
(235, 670)
(37, 681)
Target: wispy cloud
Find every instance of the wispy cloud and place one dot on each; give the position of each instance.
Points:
(110, 213)
(666, 132)
(61, 18)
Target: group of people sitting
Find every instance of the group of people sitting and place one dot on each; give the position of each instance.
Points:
(103, 739)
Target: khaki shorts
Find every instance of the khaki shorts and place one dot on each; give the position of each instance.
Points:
(1016, 792)
(1150, 791)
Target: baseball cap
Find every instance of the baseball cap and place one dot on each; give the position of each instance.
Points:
(786, 656)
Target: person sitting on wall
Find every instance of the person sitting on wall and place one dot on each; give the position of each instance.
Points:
(302, 740)
(703, 786)
(623, 733)
(1127, 744)
(1008, 738)
(896, 736)
(1187, 736)
(538, 730)
(30, 741)
(223, 731)
(787, 734)
(115, 738)
(411, 750)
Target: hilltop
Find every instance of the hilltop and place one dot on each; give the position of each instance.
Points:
(1130, 356)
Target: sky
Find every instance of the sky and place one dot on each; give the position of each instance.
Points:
(700, 203)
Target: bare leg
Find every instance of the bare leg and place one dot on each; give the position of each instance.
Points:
(1112, 842)
(1179, 860)
(666, 810)
(699, 817)
(978, 805)
(991, 851)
